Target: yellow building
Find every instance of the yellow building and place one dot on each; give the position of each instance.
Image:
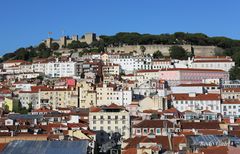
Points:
(9, 104)
(87, 96)
(58, 97)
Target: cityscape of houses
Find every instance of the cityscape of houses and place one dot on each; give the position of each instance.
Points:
(129, 103)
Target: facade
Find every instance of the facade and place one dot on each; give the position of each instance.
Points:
(87, 96)
(60, 68)
(130, 63)
(196, 102)
(110, 119)
(231, 107)
(161, 64)
(56, 98)
(219, 62)
(111, 70)
(108, 94)
(231, 93)
(153, 127)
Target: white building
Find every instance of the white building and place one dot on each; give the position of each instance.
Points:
(161, 63)
(231, 107)
(130, 63)
(111, 69)
(196, 102)
(111, 93)
(198, 88)
(231, 93)
(110, 119)
(60, 68)
(216, 62)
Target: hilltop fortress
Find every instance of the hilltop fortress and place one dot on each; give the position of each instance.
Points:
(150, 49)
(64, 40)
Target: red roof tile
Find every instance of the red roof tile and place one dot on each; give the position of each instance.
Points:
(153, 124)
(198, 97)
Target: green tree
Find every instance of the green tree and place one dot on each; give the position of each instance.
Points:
(234, 73)
(42, 47)
(157, 54)
(236, 58)
(57, 54)
(45, 53)
(55, 46)
(178, 52)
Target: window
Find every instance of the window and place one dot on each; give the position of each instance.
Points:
(94, 128)
(138, 131)
(101, 128)
(158, 130)
(116, 122)
(116, 117)
(101, 117)
(109, 122)
(145, 130)
(123, 117)
(94, 117)
(116, 128)
(101, 122)
(109, 117)
(109, 127)
(151, 131)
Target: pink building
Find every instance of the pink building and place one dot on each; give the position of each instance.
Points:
(187, 75)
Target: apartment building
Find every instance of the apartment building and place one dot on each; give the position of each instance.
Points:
(230, 107)
(215, 62)
(196, 102)
(87, 96)
(153, 127)
(161, 64)
(60, 68)
(112, 93)
(112, 118)
(111, 69)
(59, 97)
(130, 63)
(231, 93)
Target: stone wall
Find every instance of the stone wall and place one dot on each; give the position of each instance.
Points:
(198, 50)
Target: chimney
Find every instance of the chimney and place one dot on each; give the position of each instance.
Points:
(192, 94)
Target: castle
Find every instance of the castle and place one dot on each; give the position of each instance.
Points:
(64, 40)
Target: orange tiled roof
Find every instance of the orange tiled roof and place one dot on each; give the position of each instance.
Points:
(198, 97)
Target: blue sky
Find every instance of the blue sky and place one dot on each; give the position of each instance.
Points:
(27, 22)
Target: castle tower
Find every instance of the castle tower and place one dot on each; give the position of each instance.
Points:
(75, 38)
(90, 37)
(63, 41)
(48, 42)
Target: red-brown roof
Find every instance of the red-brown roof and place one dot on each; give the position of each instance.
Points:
(15, 61)
(147, 71)
(192, 69)
(231, 101)
(95, 109)
(212, 61)
(231, 90)
(198, 85)
(153, 124)
(198, 97)
(220, 150)
(200, 125)
(176, 140)
(133, 142)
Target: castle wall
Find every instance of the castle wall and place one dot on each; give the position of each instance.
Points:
(150, 49)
